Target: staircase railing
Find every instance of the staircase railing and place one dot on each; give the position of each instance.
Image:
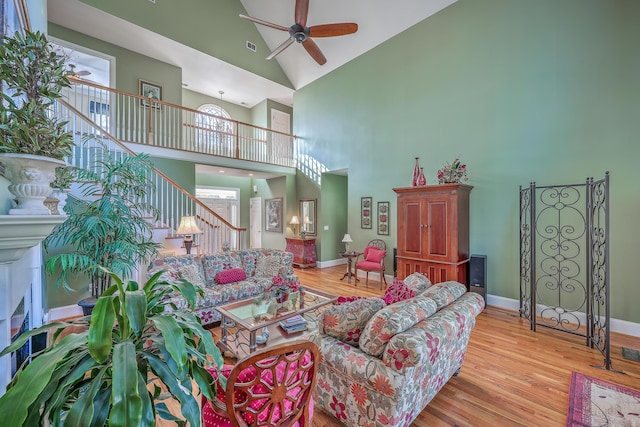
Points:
(143, 120)
(172, 200)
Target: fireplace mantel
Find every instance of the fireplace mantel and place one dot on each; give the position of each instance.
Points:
(19, 233)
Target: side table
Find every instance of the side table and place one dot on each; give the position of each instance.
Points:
(350, 256)
(303, 250)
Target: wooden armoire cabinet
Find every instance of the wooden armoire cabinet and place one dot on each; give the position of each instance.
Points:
(433, 231)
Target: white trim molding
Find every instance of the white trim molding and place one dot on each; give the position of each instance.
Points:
(619, 326)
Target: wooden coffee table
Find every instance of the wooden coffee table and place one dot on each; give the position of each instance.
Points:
(245, 325)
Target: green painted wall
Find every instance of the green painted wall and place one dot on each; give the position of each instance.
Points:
(259, 114)
(191, 99)
(130, 66)
(182, 172)
(212, 27)
(545, 91)
(333, 213)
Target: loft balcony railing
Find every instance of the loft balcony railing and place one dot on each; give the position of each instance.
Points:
(172, 200)
(141, 120)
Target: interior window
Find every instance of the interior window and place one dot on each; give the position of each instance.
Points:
(214, 133)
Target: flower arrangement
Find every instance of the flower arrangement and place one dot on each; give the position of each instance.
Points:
(280, 287)
(453, 172)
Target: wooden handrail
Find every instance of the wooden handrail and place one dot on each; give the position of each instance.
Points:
(157, 171)
(77, 80)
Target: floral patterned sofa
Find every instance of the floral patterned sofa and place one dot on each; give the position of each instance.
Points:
(382, 364)
(225, 277)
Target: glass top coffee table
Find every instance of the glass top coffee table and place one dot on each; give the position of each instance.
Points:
(248, 323)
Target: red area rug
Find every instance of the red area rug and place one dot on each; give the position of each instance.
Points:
(594, 402)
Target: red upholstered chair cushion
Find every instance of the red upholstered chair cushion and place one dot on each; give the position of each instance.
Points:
(215, 415)
(231, 275)
(373, 254)
(368, 265)
(398, 291)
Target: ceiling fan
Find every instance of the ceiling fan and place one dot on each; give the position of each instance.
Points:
(79, 73)
(299, 32)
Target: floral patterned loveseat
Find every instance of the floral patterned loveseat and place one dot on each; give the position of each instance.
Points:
(225, 277)
(381, 365)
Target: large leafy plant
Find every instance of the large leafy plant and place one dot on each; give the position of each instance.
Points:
(109, 373)
(110, 225)
(34, 75)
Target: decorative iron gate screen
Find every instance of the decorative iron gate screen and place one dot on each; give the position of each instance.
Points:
(564, 260)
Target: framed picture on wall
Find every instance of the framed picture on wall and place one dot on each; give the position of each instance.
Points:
(149, 90)
(383, 218)
(365, 212)
(273, 217)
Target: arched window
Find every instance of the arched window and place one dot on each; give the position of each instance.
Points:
(215, 133)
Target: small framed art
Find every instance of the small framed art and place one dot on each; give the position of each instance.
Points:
(149, 90)
(273, 219)
(365, 212)
(383, 218)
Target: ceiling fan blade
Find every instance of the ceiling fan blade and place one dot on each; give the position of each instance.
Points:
(280, 48)
(82, 73)
(314, 51)
(330, 30)
(302, 11)
(262, 22)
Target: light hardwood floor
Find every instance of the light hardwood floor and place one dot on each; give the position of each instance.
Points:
(510, 377)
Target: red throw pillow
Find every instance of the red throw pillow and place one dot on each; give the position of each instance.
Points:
(230, 276)
(375, 255)
(398, 291)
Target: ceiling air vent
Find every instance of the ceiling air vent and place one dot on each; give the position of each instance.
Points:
(251, 46)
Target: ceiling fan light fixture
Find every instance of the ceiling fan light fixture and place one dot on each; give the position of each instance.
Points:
(302, 34)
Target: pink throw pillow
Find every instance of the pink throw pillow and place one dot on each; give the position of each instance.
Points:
(398, 291)
(374, 254)
(230, 276)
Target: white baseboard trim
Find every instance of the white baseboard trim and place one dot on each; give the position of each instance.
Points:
(619, 326)
(63, 312)
(331, 263)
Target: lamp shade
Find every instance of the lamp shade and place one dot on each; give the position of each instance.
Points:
(294, 220)
(188, 226)
(347, 238)
(307, 220)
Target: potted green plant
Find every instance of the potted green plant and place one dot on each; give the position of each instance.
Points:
(109, 226)
(33, 138)
(110, 370)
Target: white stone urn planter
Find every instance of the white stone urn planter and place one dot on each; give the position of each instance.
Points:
(30, 176)
(61, 195)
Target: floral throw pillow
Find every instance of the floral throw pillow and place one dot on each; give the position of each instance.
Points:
(444, 293)
(418, 282)
(346, 321)
(398, 291)
(191, 273)
(268, 266)
(392, 320)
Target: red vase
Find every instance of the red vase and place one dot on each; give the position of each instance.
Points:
(282, 298)
(422, 180)
(416, 173)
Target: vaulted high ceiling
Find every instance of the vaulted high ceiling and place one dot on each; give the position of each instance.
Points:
(243, 83)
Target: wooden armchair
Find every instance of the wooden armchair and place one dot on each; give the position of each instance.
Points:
(373, 260)
(271, 387)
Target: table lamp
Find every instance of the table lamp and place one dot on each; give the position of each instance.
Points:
(346, 240)
(306, 222)
(294, 221)
(188, 228)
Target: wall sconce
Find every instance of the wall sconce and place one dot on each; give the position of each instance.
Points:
(346, 240)
(188, 228)
(294, 221)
